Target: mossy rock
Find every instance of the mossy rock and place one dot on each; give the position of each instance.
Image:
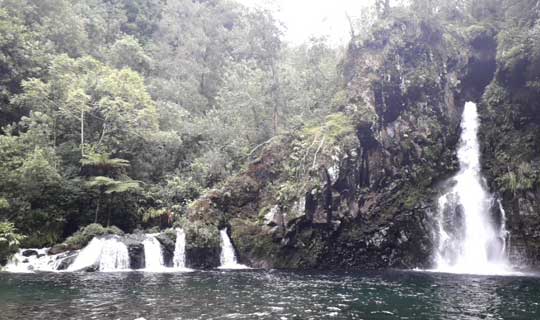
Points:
(255, 244)
(203, 245)
(84, 235)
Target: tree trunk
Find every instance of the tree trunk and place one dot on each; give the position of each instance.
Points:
(82, 132)
(97, 210)
(109, 212)
(276, 99)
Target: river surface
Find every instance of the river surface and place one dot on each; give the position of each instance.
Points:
(253, 294)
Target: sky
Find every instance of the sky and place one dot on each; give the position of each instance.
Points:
(306, 18)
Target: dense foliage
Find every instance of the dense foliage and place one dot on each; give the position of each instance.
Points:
(122, 112)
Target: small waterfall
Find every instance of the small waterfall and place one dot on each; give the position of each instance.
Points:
(153, 254)
(107, 254)
(179, 259)
(468, 242)
(228, 257)
(88, 256)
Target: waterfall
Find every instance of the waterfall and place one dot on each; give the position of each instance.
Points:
(153, 254)
(228, 257)
(107, 254)
(114, 256)
(468, 241)
(179, 259)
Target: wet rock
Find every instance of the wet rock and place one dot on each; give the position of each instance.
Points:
(66, 260)
(168, 243)
(203, 258)
(29, 253)
(136, 256)
(58, 248)
(135, 248)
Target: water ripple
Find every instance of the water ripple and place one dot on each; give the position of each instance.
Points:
(267, 295)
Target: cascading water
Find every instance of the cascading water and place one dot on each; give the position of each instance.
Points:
(228, 257)
(179, 258)
(107, 254)
(114, 256)
(30, 260)
(468, 241)
(153, 254)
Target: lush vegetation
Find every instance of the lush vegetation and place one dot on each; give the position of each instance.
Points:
(121, 112)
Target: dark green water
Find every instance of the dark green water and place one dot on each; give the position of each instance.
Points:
(267, 295)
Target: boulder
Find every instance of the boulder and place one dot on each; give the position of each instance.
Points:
(58, 248)
(29, 253)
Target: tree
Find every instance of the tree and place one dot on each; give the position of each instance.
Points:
(104, 169)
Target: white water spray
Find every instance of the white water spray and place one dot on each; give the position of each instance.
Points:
(108, 254)
(468, 239)
(228, 257)
(39, 260)
(153, 254)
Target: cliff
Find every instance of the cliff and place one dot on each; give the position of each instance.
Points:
(358, 190)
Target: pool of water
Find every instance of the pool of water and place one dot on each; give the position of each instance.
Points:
(255, 294)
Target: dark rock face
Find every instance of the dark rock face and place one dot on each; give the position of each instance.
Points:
(168, 242)
(202, 258)
(509, 134)
(136, 256)
(135, 250)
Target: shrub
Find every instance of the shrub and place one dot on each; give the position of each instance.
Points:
(9, 241)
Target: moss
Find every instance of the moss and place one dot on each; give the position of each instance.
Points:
(253, 242)
(335, 127)
(262, 213)
(201, 235)
(522, 178)
(84, 235)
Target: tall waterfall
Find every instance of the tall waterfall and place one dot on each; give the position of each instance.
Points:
(468, 241)
(107, 254)
(179, 258)
(228, 257)
(153, 254)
